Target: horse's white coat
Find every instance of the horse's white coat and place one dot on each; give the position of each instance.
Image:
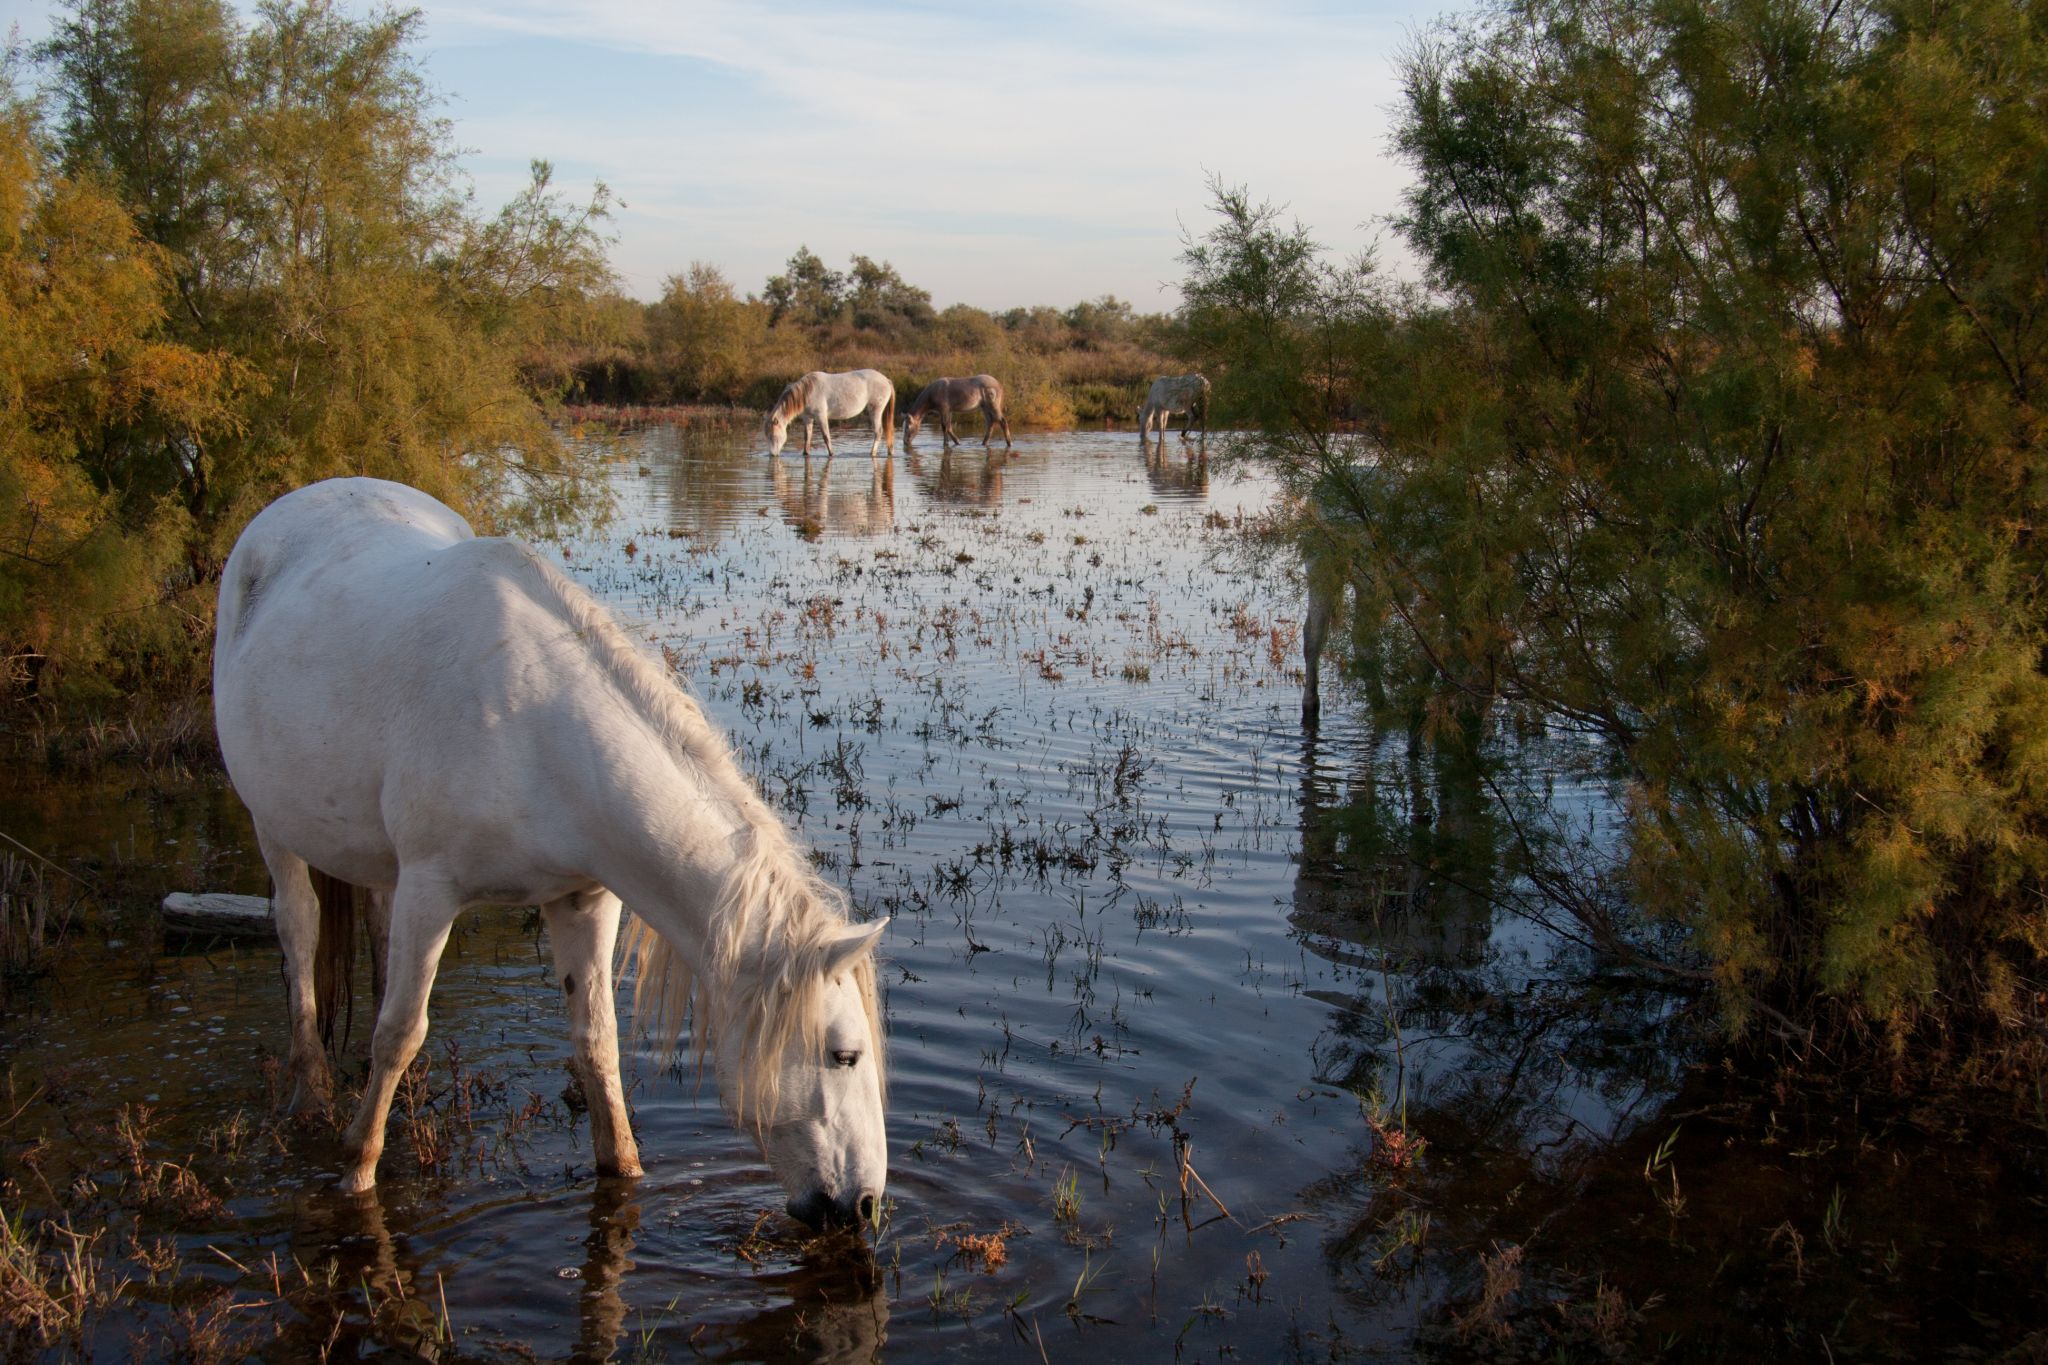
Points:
(825, 398)
(448, 721)
(1187, 394)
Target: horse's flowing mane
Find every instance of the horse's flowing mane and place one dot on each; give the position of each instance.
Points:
(775, 921)
(793, 400)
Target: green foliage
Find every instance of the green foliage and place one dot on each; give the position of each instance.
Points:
(1717, 442)
(811, 292)
(307, 256)
(705, 337)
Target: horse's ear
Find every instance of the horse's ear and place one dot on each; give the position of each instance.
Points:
(852, 943)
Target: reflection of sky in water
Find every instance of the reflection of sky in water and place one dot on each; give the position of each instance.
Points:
(1041, 712)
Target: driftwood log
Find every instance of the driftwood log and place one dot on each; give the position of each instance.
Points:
(216, 912)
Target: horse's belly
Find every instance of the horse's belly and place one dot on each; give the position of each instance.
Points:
(310, 790)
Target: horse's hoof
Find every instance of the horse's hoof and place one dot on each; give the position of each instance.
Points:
(310, 1101)
(358, 1182)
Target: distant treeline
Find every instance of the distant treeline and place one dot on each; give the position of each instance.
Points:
(703, 341)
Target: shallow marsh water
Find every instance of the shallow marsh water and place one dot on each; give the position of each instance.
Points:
(1164, 977)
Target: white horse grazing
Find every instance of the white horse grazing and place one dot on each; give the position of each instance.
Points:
(447, 721)
(823, 398)
(1187, 394)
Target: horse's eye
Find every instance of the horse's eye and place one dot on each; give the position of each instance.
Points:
(846, 1058)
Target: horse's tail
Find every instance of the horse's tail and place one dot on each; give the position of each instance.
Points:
(889, 420)
(334, 959)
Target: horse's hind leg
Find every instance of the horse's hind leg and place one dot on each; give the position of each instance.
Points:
(379, 906)
(583, 930)
(297, 911)
(422, 911)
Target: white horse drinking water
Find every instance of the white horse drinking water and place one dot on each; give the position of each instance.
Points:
(823, 398)
(446, 721)
(1187, 394)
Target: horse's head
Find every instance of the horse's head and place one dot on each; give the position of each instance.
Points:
(811, 1090)
(776, 429)
(910, 425)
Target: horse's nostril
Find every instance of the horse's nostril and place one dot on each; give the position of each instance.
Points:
(867, 1208)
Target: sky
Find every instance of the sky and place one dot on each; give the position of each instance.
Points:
(997, 154)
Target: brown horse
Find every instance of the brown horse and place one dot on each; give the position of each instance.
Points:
(959, 395)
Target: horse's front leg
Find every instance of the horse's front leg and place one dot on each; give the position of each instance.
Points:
(948, 439)
(297, 911)
(583, 930)
(422, 911)
(825, 425)
(807, 438)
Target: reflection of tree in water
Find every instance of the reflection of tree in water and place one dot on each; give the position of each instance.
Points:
(855, 502)
(706, 478)
(967, 480)
(1483, 1034)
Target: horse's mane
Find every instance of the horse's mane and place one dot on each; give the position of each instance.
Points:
(793, 400)
(775, 921)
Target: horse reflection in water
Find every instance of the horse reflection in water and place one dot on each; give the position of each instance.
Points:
(859, 506)
(965, 481)
(365, 1290)
(1178, 478)
(445, 721)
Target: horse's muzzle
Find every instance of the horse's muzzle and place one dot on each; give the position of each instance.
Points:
(818, 1210)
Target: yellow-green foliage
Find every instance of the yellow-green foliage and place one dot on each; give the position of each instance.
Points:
(249, 267)
(81, 300)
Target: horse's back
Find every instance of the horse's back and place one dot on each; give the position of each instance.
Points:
(313, 529)
(368, 640)
(1177, 393)
(853, 392)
